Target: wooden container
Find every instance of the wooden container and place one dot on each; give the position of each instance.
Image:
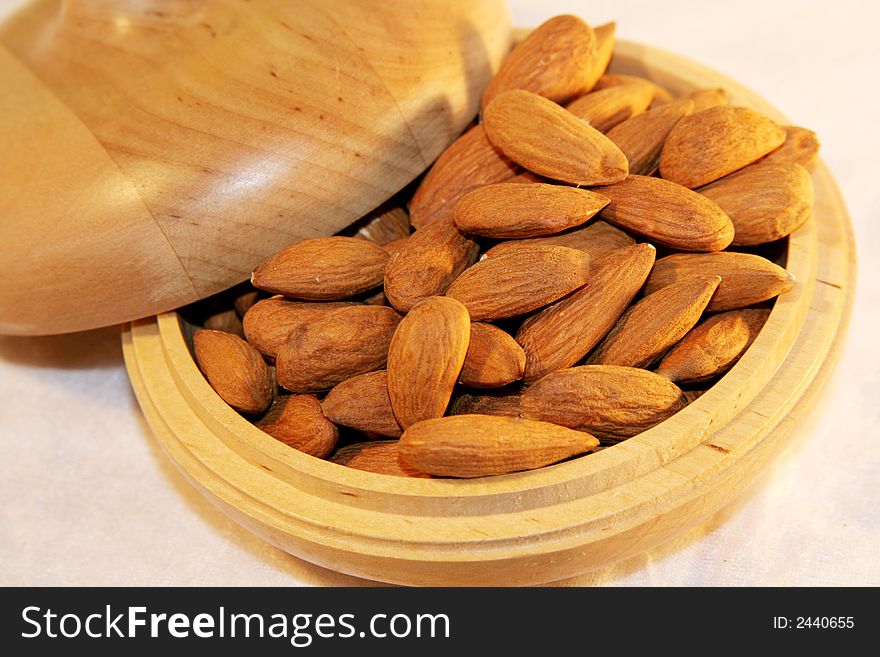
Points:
(537, 526)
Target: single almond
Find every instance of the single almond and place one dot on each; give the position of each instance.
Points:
(492, 402)
(511, 210)
(667, 213)
(520, 281)
(661, 95)
(706, 98)
(641, 138)
(609, 401)
(235, 370)
(493, 360)
(595, 239)
(713, 346)
(563, 333)
(547, 139)
(298, 422)
(649, 328)
(606, 108)
(245, 300)
(800, 147)
(427, 263)
(322, 269)
(746, 279)
(483, 445)
(605, 41)
(711, 144)
(556, 60)
(765, 201)
(268, 323)
(226, 320)
(469, 162)
(387, 223)
(425, 359)
(380, 457)
(362, 402)
(336, 347)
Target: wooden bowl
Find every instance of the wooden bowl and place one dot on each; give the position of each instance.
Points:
(537, 526)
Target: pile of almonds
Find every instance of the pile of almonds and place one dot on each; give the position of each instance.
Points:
(583, 265)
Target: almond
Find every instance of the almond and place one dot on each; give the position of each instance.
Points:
(765, 201)
(746, 279)
(661, 95)
(387, 223)
(641, 138)
(527, 177)
(563, 333)
(362, 402)
(336, 347)
(667, 213)
(609, 401)
(482, 445)
(511, 210)
(427, 263)
(469, 162)
(706, 98)
(493, 360)
(298, 422)
(714, 346)
(605, 40)
(395, 246)
(489, 403)
(425, 359)
(708, 145)
(381, 457)
(227, 321)
(606, 108)
(556, 60)
(547, 139)
(268, 323)
(245, 300)
(235, 370)
(520, 281)
(800, 147)
(595, 239)
(649, 328)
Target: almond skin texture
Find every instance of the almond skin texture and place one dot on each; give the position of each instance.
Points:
(714, 346)
(235, 370)
(483, 445)
(268, 323)
(336, 347)
(711, 144)
(668, 214)
(605, 40)
(661, 96)
(381, 457)
(609, 401)
(765, 201)
(427, 263)
(561, 334)
(325, 268)
(520, 281)
(494, 359)
(556, 60)
(297, 421)
(492, 403)
(547, 139)
(511, 210)
(706, 98)
(800, 147)
(641, 138)
(595, 239)
(425, 359)
(648, 329)
(606, 108)
(746, 279)
(469, 162)
(362, 402)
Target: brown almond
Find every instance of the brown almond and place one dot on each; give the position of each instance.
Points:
(555, 60)
(425, 359)
(235, 370)
(520, 281)
(395, 246)
(362, 402)
(469, 162)
(661, 95)
(427, 263)
(667, 213)
(322, 269)
(489, 403)
(342, 344)
(511, 210)
(746, 279)
(765, 201)
(298, 422)
(706, 98)
(609, 401)
(606, 108)
(268, 323)
(563, 333)
(711, 144)
(605, 41)
(245, 301)
(380, 457)
(493, 360)
(387, 223)
(800, 147)
(547, 139)
(641, 138)
(649, 328)
(226, 320)
(595, 239)
(713, 346)
(483, 445)
(527, 177)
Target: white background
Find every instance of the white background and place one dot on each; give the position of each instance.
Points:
(87, 497)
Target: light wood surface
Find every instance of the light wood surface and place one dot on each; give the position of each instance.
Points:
(544, 525)
(153, 152)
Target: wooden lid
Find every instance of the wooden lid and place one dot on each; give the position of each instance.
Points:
(154, 152)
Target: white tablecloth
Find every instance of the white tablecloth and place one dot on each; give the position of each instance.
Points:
(70, 426)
